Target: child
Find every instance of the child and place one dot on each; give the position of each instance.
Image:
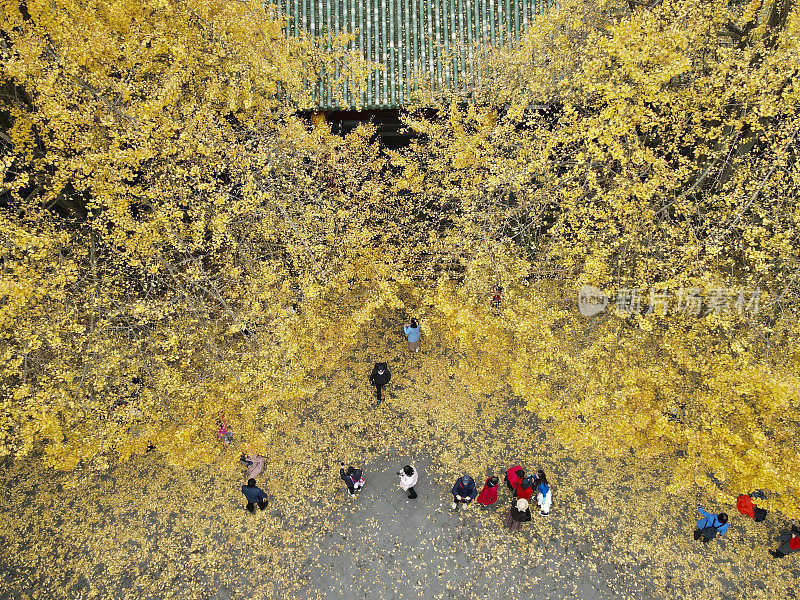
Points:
(224, 432)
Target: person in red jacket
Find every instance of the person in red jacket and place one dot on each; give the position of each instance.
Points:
(513, 475)
(497, 297)
(488, 494)
(791, 543)
(744, 504)
(525, 488)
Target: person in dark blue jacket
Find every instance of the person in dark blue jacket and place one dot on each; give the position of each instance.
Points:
(254, 495)
(464, 491)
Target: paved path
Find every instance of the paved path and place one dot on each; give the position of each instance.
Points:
(387, 546)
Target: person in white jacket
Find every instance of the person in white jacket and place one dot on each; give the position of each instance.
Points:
(544, 497)
(408, 479)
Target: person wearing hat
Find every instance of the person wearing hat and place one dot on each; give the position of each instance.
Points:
(464, 491)
(518, 513)
(408, 479)
(254, 495)
(379, 377)
(488, 494)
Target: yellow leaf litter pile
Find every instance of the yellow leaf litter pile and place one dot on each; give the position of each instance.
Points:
(144, 530)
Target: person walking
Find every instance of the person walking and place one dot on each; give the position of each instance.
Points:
(254, 495)
(464, 491)
(408, 479)
(379, 377)
(544, 496)
(518, 513)
(352, 478)
(497, 297)
(513, 475)
(710, 525)
(791, 542)
(254, 464)
(411, 329)
(488, 494)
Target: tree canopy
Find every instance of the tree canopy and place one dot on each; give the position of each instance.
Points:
(181, 246)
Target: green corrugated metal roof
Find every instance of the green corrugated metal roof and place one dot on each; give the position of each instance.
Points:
(412, 39)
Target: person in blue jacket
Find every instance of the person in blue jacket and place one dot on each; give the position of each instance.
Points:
(710, 525)
(411, 329)
(464, 491)
(254, 495)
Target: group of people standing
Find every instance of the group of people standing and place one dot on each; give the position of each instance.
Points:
(464, 490)
(525, 486)
(521, 484)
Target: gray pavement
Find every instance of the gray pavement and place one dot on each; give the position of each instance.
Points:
(387, 546)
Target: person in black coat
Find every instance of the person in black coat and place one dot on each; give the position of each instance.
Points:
(464, 491)
(379, 377)
(518, 513)
(791, 542)
(352, 479)
(254, 495)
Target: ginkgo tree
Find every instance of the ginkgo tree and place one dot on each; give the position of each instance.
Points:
(181, 248)
(152, 258)
(649, 151)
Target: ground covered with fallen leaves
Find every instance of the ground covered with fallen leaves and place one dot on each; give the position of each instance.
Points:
(145, 530)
